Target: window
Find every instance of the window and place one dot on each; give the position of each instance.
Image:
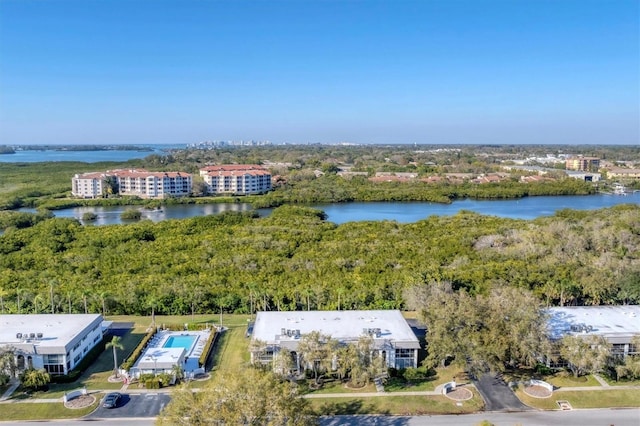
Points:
(404, 358)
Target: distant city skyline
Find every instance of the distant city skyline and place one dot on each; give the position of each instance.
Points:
(425, 72)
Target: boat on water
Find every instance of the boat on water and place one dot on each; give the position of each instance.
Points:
(619, 189)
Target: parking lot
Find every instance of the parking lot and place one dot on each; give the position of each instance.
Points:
(133, 405)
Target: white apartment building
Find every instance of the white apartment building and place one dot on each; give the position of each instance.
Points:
(240, 179)
(55, 342)
(618, 324)
(154, 184)
(393, 338)
(138, 182)
(88, 185)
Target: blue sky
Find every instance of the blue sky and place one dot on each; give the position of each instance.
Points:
(430, 71)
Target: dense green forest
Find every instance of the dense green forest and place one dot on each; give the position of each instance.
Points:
(294, 259)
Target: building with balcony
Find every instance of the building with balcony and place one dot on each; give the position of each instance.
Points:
(54, 342)
(237, 179)
(88, 185)
(154, 184)
(585, 164)
(393, 338)
(135, 182)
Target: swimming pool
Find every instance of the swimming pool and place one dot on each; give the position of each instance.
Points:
(182, 341)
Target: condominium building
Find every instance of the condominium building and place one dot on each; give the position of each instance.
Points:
(617, 324)
(138, 182)
(54, 342)
(393, 338)
(240, 179)
(154, 184)
(585, 164)
(88, 185)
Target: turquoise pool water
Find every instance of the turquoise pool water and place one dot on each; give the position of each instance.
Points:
(182, 341)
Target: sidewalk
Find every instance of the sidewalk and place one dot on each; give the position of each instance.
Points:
(14, 385)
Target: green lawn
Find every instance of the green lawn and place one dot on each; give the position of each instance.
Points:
(563, 380)
(443, 375)
(397, 405)
(37, 411)
(607, 398)
(614, 382)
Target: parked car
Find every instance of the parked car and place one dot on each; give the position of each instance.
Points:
(111, 400)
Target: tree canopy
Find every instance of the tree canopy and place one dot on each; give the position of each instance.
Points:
(247, 396)
(296, 260)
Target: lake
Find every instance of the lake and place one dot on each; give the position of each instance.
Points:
(403, 212)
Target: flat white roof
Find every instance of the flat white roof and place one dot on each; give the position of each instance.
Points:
(340, 325)
(57, 329)
(161, 358)
(607, 321)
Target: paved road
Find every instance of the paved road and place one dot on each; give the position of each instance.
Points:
(604, 417)
(133, 405)
(497, 395)
(627, 417)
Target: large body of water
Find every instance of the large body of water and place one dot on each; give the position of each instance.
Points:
(33, 156)
(403, 212)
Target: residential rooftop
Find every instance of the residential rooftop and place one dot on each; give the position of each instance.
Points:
(48, 329)
(608, 321)
(340, 325)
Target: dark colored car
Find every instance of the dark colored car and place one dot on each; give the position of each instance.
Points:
(111, 400)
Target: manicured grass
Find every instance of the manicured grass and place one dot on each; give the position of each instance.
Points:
(231, 350)
(398, 405)
(228, 320)
(614, 382)
(563, 380)
(606, 398)
(331, 386)
(443, 375)
(37, 411)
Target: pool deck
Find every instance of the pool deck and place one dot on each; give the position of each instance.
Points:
(156, 351)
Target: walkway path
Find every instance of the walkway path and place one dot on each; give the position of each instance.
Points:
(602, 381)
(12, 388)
(437, 392)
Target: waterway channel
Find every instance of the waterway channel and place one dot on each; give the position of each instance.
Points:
(402, 212)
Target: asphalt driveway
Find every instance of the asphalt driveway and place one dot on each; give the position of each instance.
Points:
(497, 395)
(133, 405)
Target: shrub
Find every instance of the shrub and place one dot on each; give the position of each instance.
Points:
(89, 216)
(543, 370)
(152, 383)
(207, 348)
(411, 374)
(164, 379)
(131, 214)
(128, 363)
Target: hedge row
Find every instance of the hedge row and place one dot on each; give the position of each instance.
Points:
(128, 363)
(207, 348)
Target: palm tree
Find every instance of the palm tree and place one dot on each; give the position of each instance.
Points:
(115, 343)
(3, 293)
